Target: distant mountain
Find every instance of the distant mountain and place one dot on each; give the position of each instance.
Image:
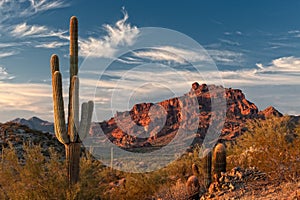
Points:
(36, 123)
(170, 116)
(238, 111)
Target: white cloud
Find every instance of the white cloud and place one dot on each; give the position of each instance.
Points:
(25, 98)
(226, 57)
(160, 55)
(121, 34)
(51, 45)
(233, 33)
(42, 5)
(286, 64)
(283, 71)
(24, 30)
(230, 42)
(183, 56)
(260, 66)
(9, 44)
(14, 9)
(4, 54)
(4, 75)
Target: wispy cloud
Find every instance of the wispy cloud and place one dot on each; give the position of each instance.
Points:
(294, 33)
(4, 75)
(184, 56)
(32, 99)
(12, 9)
(280, 71)
(24, 30)
(51, 45)
(120, 34)
(230, 42)
(9, 44)
(226, 57)
(284, 64)
(4, 54)
(233, 33)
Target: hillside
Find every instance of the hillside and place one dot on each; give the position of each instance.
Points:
(17, 135)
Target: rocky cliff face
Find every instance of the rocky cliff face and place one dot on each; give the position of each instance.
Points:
(149, 124)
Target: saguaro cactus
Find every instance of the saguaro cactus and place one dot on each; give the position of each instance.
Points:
(71, 137)
(219, 160)
(207, 169)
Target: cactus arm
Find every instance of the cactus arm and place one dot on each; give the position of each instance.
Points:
(90, 114)
(86, 118)
(73, 47)
(54, 63)
(74, 112)
(59, 113)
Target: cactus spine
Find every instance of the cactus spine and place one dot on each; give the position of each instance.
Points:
(219, 160)
(72, 136)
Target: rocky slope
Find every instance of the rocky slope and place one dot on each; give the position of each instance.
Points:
(158, 123)
(18, 135)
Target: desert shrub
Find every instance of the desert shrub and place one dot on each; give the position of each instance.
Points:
(33, 177)
(36, 176)
(174, 192)
(166, 183)
(271, 145)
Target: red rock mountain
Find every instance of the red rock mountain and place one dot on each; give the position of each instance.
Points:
(149, 124)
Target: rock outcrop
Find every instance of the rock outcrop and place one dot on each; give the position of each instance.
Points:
(149, 124)
(270, 112)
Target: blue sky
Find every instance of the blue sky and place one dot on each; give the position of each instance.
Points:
(255, 45)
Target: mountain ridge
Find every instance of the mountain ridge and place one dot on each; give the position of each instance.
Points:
(238, 111)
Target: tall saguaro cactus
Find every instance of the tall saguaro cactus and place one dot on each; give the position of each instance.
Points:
(71, 137)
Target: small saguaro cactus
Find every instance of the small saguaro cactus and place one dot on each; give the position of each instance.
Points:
(207, 169)
(219, 160)
(72, 136)
(192, 184)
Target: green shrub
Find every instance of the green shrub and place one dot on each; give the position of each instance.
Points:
(271, 145)
(44, 177)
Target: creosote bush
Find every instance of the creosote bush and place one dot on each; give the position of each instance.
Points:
(44, 177)
(271, 145)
